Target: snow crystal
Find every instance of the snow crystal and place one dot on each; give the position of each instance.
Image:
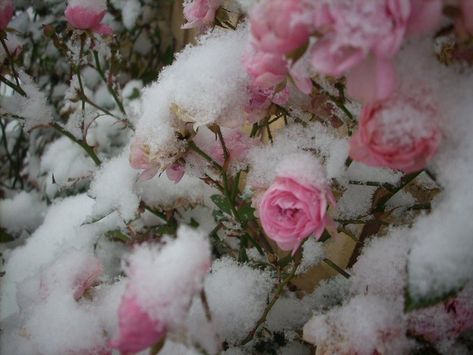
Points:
(440, 259)
(314, 137)
(130, 13)
(65, 162)
(34, 108)
(24, 212)
(96, 5)
(165, 280)
(361, 172)
(60, 230)
(206, 83)
(160, 191)
(364, 325)
(312, 254)
(381, 269)
(356, 201)
(115, 176)
(237, 296)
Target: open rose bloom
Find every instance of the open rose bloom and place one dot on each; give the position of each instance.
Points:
(295, 206)
(405, 139)
(88, 15)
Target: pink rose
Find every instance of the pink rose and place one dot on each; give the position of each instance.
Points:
(280, 26)
(84, 17)
(400, 134)
(137, 330)
(372, 80)
(295, 206)
(353, 29)
(200, 13)
(266, 70)
(6, 13)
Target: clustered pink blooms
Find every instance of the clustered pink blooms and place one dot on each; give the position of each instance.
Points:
(399, 133)
(278, 27)
(360, 38)
(200, 13)
(6, 13)
(87, 15)
(295, 206)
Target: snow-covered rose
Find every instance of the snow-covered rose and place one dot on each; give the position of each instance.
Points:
(137, 330)
(280, 26)
(400, 133)
(199, 13)
(162, 283)
(6, 12)
(295, 206)
(87, 15)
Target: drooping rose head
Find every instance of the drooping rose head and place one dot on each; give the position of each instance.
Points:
(280, 26)
(87, 15)
(6, 13)
(200, 13)
(295, 206)
(353, 29)
(137, 330)
(400, 133)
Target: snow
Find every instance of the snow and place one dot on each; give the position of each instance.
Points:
(24, 212)
(153, 272)
(205, 84)
(237, 296)
(130, 13)
(315, 137)
(115, 175)
(34, 108)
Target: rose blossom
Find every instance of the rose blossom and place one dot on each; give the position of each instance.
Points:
(280, 26)
(87, 15)
(295, 205)
(360, 38)
(199, 13)
(400, 134)
(6, 13)
(266, 70)
(162, 282)
(137, 330)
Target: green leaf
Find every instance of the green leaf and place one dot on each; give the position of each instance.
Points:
(246, 213)
(222, 203)
(412, 304)
(218, 215)
(242, 256)
(4, 236)
(193, 223)
(118, 235)
(166, 229)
